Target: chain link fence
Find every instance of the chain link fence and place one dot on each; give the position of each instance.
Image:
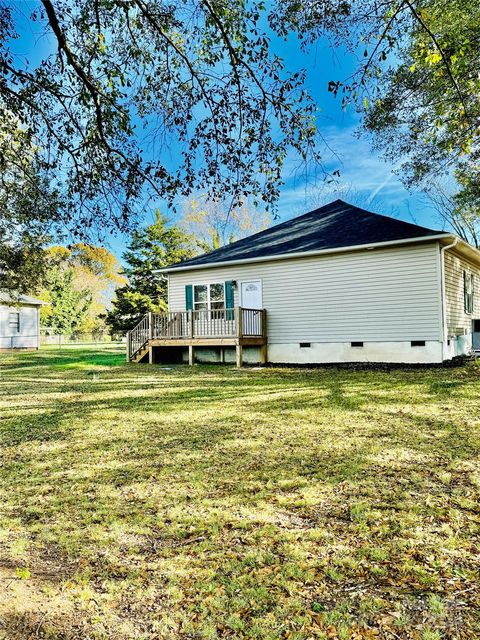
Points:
(102, 339)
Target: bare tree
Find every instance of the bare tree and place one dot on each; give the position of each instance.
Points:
(213, 224)
(463, 220)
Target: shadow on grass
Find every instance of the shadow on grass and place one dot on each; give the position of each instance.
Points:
(45, 426)
(61, 359)
(144, 465)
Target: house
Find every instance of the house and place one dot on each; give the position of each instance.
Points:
(19, 322)
(338, 284)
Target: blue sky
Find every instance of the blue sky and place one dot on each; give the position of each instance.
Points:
(365, 179)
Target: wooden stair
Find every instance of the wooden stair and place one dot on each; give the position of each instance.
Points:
(140, 355)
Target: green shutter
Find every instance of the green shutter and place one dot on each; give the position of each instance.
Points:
(188, 297)
(229, 295)
(229, 298)
(472, 301)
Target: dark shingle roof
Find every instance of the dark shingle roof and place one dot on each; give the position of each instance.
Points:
(333, 226)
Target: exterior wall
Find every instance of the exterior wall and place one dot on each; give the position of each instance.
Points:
(459, 322)
(28, 336)
(383, 297)
(325, 352)
(398, 352)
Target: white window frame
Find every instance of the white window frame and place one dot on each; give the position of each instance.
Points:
(208, 301)
(469, 298)
(14, 325)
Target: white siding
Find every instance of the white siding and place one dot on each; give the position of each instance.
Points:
(379, 295)
(28, 336)
(457, 319)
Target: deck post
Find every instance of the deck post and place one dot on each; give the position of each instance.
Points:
(150, 337)
(263, 354)
(190, 354)
(239, 346)
(239, 317)
(192, 328)
(239, 354)
(150, 325)
(128, 346)
(264, 347)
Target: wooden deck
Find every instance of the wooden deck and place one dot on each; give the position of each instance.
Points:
(237, 328)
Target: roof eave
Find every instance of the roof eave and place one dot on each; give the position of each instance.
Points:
(303, 254)
(466, 248)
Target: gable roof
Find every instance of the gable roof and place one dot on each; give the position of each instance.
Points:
(335, 226)
(13, 299)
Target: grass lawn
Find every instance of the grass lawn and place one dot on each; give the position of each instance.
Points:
(145, 503)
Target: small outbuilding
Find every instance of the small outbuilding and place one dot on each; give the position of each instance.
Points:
(19, 322)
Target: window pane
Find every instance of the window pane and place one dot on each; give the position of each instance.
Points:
(216, 292)
(218, 305)
(200, 292)
(200, 305)
(469, 288)
(14, 321)
(469, 283)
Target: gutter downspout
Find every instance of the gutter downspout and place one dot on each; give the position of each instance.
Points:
(444, 296)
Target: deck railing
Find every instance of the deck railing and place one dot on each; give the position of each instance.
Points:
(199, 323)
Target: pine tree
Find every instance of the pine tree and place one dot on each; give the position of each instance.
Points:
(156, 246)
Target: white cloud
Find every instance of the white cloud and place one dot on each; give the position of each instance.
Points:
(363, 175)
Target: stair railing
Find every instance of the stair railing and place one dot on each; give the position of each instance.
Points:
(138, 337)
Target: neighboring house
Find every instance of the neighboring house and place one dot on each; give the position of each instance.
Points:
(338, 284)
(19, 322)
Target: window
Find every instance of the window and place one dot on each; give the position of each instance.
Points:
(305, 345)
(209, 296)
(417, 343)
(14, 322)
(217, 296)
(468, 291)
(356, 344)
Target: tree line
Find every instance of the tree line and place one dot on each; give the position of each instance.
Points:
(88, 291)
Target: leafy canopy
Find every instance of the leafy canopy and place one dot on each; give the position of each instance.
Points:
(85, 129)
(128, 79)
(28, 210)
